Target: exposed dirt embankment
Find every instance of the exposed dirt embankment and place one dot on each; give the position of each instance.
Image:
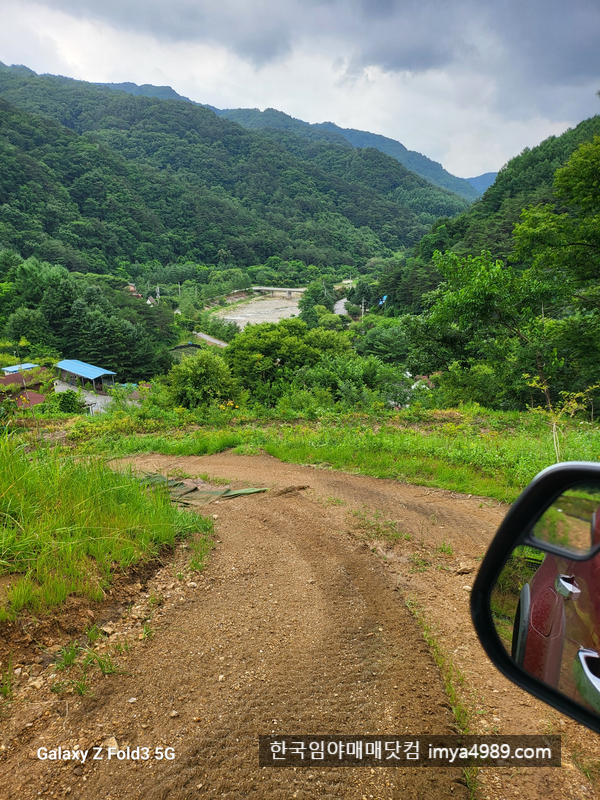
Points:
(298, 625)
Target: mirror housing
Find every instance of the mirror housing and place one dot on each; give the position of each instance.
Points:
(517, 529)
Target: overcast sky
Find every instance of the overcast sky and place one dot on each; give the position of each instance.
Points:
(469, 83)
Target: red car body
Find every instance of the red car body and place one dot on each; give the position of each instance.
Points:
(557, 631)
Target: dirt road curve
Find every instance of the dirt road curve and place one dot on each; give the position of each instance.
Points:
(296, 626)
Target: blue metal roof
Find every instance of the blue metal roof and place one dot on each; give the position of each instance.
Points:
(83, 370)
(18, 368)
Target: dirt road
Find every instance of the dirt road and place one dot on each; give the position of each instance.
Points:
(297, 625)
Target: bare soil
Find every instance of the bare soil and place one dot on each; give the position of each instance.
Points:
(298, 625)
(260, 309)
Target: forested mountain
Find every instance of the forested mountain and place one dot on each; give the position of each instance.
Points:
(482, 182)
(230, 189)
(514, 316)
(489, 223)
(428, 169)
(271, 119)
(525, 180)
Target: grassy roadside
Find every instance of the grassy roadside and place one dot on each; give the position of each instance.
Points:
(67, 525)
(472, 451)
(454, 681)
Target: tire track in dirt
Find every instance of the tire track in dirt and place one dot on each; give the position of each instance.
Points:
(294, 627)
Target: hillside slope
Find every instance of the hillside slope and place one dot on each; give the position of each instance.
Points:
(525, 180)
(69, 200)
(328, 131)
(273, 201)
(272, 119)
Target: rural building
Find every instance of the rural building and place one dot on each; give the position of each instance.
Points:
(26, 399)
(21, 386)
(18, 368)
(70, 370)
(132, 290)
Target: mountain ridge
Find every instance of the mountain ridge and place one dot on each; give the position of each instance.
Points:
(217, 191)
(431, 170)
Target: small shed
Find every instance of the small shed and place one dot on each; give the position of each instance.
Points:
(71, 369)
(18, 368)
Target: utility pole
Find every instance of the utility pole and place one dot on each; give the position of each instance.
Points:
(362, 307)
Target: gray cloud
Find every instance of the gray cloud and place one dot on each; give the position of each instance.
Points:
(407, 35)
(556, 39)
(535, 52)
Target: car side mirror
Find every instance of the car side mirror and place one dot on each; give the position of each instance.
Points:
(535, 603)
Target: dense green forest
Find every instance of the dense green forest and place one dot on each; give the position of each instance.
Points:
(231, 189)
(271, 119)
(48, 312)
(512, 318)
(526, 180)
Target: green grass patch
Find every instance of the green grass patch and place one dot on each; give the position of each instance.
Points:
(67, 656)
(7, 680)
(418, 563)
(67, 524)
(374, 525)
(454, 683)
(469, 450)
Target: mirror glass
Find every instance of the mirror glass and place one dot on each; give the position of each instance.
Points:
(546, 610)
(572, 521)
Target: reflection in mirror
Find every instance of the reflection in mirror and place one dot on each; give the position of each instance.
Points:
(546, 610)
(572, 521)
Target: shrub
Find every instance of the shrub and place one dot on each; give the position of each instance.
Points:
(199, 380)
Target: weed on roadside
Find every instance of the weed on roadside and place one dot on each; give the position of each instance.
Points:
(81, 684)
(588, 767)
(155, 600)
(454, 682)
(94, 634)
(374, 525)
(204, 476)
(328, 501)
(147, 632)
(201, 550)
(67, 656)
(179, 474)
(445, 548)
(7, 680)
(419, 563)
(106, 665)
(202, 544)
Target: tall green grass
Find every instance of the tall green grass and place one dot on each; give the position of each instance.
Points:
(68, 524)
(473, 451)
